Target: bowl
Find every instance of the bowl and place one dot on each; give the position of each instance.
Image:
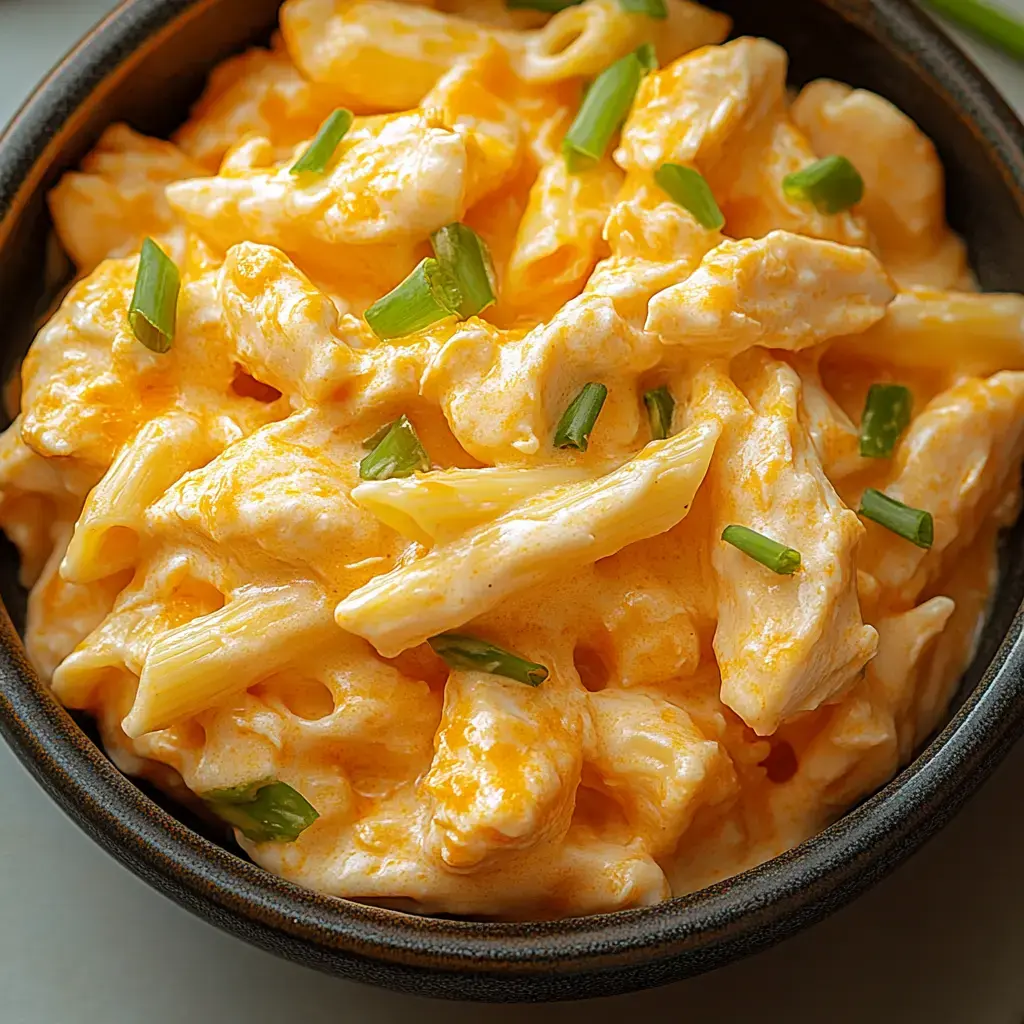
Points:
(145, 64)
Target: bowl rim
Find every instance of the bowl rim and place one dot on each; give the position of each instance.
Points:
(681, 936)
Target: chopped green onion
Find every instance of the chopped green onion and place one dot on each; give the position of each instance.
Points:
(265, 812)
(376, 437)
(398, 453)
(652, 8)
(427, 295)
(321, 149)
(154, 308)
(986, 21)
(831, 185)
(464, 256)
(648, 57)
(777, 557)
(911, 524)
(602, 112)
(577, 422)
(474, 655)
(547, 6)
(660, 406)
(688, 188)
(886, 416)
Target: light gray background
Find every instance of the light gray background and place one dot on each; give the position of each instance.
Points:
(84, 942)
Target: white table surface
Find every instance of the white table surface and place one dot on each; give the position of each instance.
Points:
(82, 941)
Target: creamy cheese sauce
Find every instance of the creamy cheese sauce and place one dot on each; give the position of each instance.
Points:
(212, 579)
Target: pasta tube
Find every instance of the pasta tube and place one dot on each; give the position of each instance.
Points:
(107, 533)
(554, 533)
(255, 634)
(436, 507)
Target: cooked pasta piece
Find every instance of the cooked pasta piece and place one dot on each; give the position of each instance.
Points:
(958, 461)
(437, 507)
(904, 184)
(117, 199)
(106, 536)
(258, 632)
(783, 291)
(972, 334)
(556, 532)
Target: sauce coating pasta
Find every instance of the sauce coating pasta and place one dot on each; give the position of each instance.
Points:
(482, 525)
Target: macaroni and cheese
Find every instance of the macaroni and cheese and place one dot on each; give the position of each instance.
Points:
(513, 463)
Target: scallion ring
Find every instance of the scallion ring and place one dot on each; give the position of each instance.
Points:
(780, 559)
(577, 422)
(831, 185)
(427, 295)
(464, 257)
(660, 406)
(691, 191)
(265, 812)
(153, 311)
(472, 654)
(321, 149)
(398, 453)
(602, 112)
(913, 524)
(886, 415)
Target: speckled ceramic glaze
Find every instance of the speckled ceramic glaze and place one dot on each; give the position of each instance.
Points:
(145, 64)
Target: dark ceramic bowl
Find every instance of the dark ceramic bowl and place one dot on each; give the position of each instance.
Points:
(145, 64)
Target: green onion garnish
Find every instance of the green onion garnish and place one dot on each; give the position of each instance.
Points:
(652, 8)
(398, 453)
(547, 6)
(321, 149)
(467, 652)
(688, 188)
(660, 406)
(154, 308)
(265, 812)
(648, 57)
(912, 524)
(465, 258)
(602, 112)
(987, 22)
(777, 557)
(886, 416)
(577, 422)
(376, 437)
(831, 185)
(427, 295)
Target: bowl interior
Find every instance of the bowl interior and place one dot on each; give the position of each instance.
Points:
(149, 64)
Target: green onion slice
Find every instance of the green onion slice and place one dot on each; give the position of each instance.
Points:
(577, 422)
(376, 437)
(547, 6)
(468, 652)
(427, 295)
(986, 21)
(660, 406)
(831, 185)
(321, 149)
(602, 112)
(265, 812)
(688, 188)
(398, 453)
(465, 258)
(886, 416)
(911, 524)
(154, 308)
(648, 57)
(652, 8)
(777, 557)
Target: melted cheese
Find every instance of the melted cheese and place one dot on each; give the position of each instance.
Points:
(211, 578)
